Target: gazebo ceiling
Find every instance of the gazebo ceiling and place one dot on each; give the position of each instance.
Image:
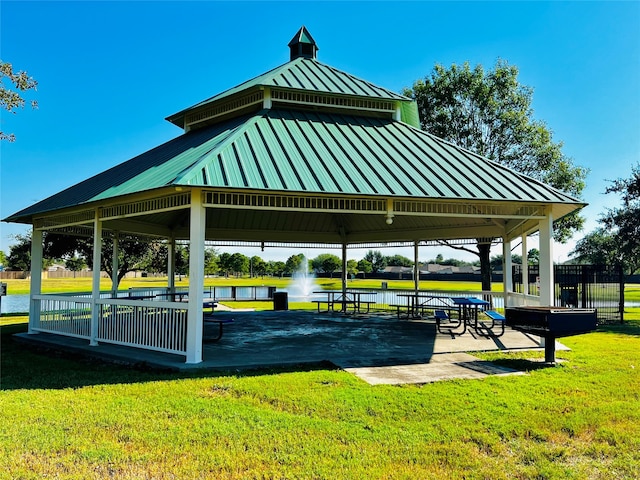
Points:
(306, 153)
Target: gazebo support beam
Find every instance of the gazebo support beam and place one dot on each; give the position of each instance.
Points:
(525, 265)
(115, 266)
(416, 269)
(507, 270)
(197, 229)
(171, 264)
(36, 279)
(95, 285)
(546, 262)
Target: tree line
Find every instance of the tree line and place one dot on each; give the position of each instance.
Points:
(76, 254)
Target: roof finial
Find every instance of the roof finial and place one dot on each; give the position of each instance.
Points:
(303, 45)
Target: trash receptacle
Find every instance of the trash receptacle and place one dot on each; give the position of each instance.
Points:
(280, 301)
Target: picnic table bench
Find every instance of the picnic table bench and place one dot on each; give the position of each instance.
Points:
(338, 297)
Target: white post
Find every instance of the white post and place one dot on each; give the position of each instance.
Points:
(115, 266)
(507, 270)
(525, 266)
(416, 270)
(344, 271)
(95, 290)
(196, 278)
(171, 264)
(36, 279)
(546, 262)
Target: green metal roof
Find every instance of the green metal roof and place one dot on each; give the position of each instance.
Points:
(302, 74)
(297, 151)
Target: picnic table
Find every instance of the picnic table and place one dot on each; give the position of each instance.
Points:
(468, 308)
(416, 304)
(345, 299)
(208, 317)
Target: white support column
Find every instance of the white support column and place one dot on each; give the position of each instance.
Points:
(196, 277)
(416, 270)
(115, 266)
(344, 269)
(171, 264)
(525, 265)
(36, 279)
(546, 262)
(507, 270)
(95, 289)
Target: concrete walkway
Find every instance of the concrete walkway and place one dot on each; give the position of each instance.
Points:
(378, 348)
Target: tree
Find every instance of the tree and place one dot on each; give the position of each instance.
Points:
(496, 261)
(597, 248)
(294, 263)
(3, 259)
(533, 256)
(398, 261)
(365, 266)
(210, 261)
(377, 260)
(276, 268)
(257, 266)
(75, 264)
(352, 267)
(239, 264)
(624, 221)
(224, 262)
(11, 97)
(490, 114)
(326, 263)
(19, 257)
(132, 252)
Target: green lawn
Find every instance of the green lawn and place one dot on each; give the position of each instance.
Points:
(69, 418)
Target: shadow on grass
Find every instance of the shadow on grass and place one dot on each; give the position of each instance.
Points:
(33, 368)
(629, 327)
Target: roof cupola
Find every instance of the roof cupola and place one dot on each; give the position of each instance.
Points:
(303, 45)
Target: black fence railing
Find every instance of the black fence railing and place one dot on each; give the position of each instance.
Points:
(581, 286)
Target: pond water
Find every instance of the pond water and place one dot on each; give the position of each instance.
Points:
(20, 303)
(14, 304)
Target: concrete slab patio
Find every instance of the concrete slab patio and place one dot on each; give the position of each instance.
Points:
(377, 347)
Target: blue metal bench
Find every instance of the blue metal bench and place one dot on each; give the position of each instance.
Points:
(495, 317)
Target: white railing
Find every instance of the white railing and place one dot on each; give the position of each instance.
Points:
(152, 325)
(520, 299)
(64, 315)
(159, 326)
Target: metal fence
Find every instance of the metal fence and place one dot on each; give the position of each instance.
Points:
(581, 286)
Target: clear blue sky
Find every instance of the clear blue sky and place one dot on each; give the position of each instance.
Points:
(109, 73)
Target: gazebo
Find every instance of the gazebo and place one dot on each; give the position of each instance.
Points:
(304, 153)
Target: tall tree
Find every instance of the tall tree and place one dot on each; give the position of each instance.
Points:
(132, 252)
(377, 260)
(326, 263)
(11, 96)
(294, 263)
(597, 248)
(624, 221)
(490, 113)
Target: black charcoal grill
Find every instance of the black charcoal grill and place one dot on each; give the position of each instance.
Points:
(551, 323)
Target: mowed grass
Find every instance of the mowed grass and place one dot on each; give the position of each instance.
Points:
(67, 417)
(70, 418)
